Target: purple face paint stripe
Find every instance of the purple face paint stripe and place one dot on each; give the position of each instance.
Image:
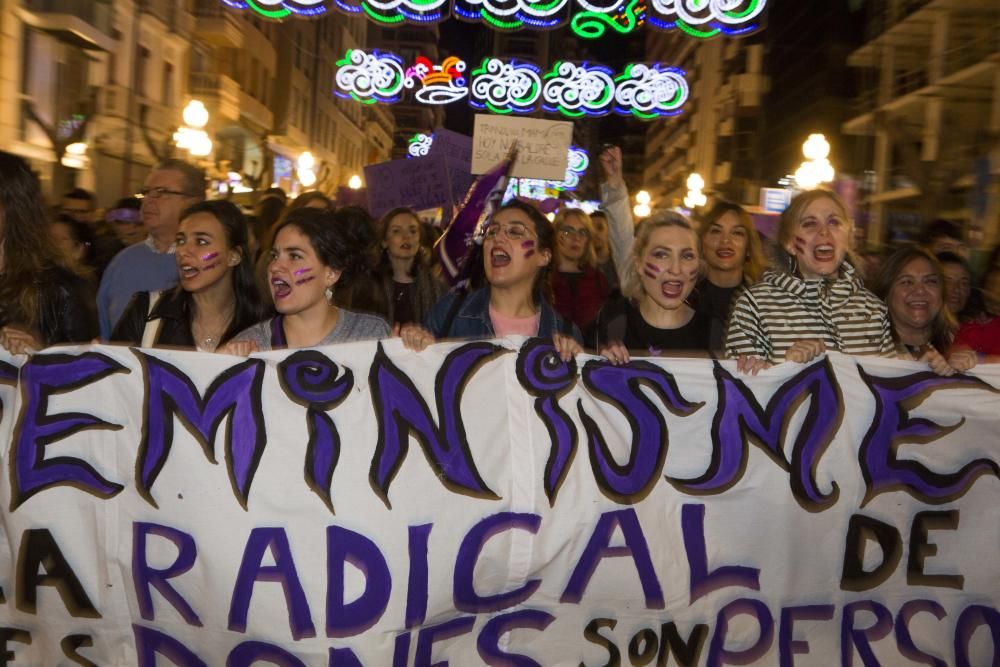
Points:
(892, 425)
(399, 408)
(43, 376)
(208, 256)
(299, 272)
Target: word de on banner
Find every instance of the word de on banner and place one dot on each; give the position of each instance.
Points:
(542, 145)
(486, 503)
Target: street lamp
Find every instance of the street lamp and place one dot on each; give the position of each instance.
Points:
(642, 201)
(695, 197)
(354, 182)
(192, 136)
(305, 171)
(817, 168)
(75, 156)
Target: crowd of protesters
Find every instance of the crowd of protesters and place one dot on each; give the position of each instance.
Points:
(168, 268)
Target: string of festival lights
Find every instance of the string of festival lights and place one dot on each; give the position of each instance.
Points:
(698, 18)
(513, 86)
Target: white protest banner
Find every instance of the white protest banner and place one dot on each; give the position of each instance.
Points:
(542, 145)
(486, 503)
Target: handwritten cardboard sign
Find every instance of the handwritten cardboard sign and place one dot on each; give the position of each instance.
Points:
(542, 145)
(419, 183)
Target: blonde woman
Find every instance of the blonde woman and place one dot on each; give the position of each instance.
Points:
(815, 301)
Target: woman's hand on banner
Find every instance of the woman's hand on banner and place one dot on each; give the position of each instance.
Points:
(414, 336)
(615, 352)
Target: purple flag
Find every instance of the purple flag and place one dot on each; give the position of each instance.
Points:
(482, 199)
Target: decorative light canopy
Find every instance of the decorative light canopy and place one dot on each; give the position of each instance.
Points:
(589, 19)
(419, 145)
(515, 86)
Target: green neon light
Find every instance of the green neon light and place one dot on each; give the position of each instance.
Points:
(694, 32)
(499, 110)
(269, 13)
(591, 25)
(512, 25)
(749, 10)
(379, 17)
(569, 112)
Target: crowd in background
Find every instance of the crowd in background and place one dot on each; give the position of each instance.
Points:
(168, 268)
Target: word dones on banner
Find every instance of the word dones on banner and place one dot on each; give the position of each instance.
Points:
(515, 86)
(590, 20)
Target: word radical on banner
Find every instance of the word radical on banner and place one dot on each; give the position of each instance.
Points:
(698, 18)
(514, 86)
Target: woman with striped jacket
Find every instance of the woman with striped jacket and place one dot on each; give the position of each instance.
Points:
(816, 302)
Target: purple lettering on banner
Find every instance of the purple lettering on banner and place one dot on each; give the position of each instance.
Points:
(43, 376)
(249, 653)
(547, 377)
(904, 640)
(488, 642)
(621, 386)
(433, 633)
(704, 582)
(40, 562)
(892, 426)
(150, 643)
(283, 572)
(971, 618)
(466, 598)
(401, 650)
(343, 657)
(718, 654)
(345, 619)
(416, 589)
(788, 646)
(236, 392)
(312, 380)
(400, 410)
(851, 638)
(8, 375)
(739, 419)
(598, 548)
(144, 575)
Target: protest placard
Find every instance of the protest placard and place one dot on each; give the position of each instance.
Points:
(542, 145)
(419, 183)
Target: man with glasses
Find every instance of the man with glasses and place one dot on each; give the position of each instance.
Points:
(172, 186)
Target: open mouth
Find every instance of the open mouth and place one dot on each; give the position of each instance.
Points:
(279, 288)
(724, 253)
(823, 253)
(499, 258)
(187, 271)
(672, 289)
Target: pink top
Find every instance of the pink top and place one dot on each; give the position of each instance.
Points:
(515, 326)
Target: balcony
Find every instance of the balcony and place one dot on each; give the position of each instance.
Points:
(219, 92)
(83, 23)
(255, 112)
(217, 25)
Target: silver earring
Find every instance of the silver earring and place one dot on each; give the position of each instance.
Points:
(329, 294)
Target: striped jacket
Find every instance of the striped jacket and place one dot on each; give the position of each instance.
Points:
(781, 309)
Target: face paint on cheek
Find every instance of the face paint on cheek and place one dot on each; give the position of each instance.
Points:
(529, 247)
(799, 244)
(209, 256)
(303, 272)
(305, 280)
(652, 271)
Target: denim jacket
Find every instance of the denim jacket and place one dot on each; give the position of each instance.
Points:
(473, 318)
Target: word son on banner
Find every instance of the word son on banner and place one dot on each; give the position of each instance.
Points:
(486, 503)
(542, 145)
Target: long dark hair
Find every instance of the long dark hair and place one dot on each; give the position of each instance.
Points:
(24, 241)
(425, 291)
(248, 308)
(546, 241)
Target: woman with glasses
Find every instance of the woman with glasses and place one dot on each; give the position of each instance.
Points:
(516, 253)
(579, 289)
(308, 258)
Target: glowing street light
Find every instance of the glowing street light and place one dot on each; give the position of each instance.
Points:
(642, 202)
(195, 114)
(817, 168)
(75, 156)
(354, 182)
(695, 197)
(305, 171)
(192, 136)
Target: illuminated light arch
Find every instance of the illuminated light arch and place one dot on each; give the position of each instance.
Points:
(650, 91)
(645, 91)
(370, 77)
(576, 90)
(589, 19)
(505, 87)
(419, 145)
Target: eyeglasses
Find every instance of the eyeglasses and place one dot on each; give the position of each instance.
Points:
(156, 193)
(568, 231)
(514, 231)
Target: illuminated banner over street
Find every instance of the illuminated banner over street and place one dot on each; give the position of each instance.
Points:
(485, 503)
(587, 18)
(514, 86)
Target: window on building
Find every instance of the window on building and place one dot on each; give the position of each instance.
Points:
(167, 93)
(142, 70)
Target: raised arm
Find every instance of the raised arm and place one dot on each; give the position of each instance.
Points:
(615, 202)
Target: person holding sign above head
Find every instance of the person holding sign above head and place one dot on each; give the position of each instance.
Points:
(518, 244)
(307, 259)
(815, 301)
(653, 315)
(216, 297)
